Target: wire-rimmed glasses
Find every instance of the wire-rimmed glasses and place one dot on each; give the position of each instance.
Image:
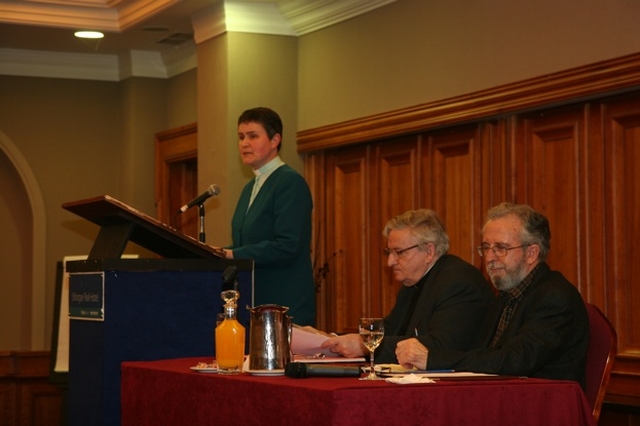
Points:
(499, 250)
(397, 253)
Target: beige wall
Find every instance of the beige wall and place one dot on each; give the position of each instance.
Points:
(143, 107)
(181, 100)
(15, 251)
(68, 133)
(416, 51)
(81, 139)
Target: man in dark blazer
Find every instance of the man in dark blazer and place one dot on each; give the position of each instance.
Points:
(537, 326)
(443, 298)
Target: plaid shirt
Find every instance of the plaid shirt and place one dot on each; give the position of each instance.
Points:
(513, 297)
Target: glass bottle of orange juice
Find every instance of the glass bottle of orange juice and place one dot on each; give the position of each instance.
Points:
(230, 337)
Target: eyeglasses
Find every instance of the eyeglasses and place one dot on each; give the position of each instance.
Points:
(397, 253)
(499, 250)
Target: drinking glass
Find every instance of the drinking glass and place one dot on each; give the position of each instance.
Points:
(371, 332)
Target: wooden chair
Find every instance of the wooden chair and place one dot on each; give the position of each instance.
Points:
(601, 354)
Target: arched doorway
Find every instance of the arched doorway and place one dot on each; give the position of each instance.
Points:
(23, 225)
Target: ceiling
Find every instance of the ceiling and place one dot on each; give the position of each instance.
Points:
(34, 32)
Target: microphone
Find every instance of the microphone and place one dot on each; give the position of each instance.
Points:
(213, 190)
(299, 370)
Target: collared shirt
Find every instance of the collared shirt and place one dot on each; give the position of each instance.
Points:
(513, 297)
(262, 174)
(518, 291)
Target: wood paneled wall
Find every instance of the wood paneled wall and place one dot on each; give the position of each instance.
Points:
(26, 396)
(567, 144)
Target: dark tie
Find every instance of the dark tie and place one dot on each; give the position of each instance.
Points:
(507, 313)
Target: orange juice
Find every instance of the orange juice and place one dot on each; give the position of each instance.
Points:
(230, 346)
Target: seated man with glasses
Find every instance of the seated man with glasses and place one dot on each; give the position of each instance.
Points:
(443, 299)
(537, 326)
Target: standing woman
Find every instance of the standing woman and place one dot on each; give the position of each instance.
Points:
(272, 220)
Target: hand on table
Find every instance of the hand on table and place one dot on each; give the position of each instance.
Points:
(411, 353)
(348, 345)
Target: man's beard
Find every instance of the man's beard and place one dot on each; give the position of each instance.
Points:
(511, 277)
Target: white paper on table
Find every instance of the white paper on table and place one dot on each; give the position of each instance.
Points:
(327, 359)
(306, 341)
(409, 379)
(457, 375)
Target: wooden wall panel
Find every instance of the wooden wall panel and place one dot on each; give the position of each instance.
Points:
(348, 184)
(621, 124)
(27, 398)
(40, 404)
(451, 184)
(315, 175)
(8, 402)
(396, 168)
(549, 179)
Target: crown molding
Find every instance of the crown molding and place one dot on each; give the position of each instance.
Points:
(140, 63)
(32, 63)
(209, 23)
(283, 17)
(98, 15)
(286, 17)
(81, 66)
(306, 17)
(135, 12)
(259, 18)
(179, 60)
(60, 17)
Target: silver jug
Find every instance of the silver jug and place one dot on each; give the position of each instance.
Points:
(270, 338)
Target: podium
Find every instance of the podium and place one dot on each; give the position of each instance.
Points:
(139, 309)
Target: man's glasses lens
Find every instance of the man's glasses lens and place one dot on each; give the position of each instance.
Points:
(498, 250)
(397, 253)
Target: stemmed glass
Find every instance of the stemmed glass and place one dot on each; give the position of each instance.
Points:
(372, 332)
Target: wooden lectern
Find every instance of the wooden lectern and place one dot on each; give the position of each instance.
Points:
(139, 309)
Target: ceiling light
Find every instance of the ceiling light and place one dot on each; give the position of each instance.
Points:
(88, 34)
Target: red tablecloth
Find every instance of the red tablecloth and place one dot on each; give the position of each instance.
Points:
(168, 392)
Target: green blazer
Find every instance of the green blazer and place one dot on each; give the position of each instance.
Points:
(276, 233)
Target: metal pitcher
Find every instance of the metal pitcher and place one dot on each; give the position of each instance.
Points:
(270, 338)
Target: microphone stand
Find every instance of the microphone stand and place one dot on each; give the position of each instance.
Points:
(201, 210)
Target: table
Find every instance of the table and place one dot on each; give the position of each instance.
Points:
(168, 392)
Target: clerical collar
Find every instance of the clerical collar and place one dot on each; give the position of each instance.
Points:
(268, 168)
(421, 281)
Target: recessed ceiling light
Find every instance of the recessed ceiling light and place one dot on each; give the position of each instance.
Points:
(88, 34)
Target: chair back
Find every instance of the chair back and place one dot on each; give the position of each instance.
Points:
(601, 354)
